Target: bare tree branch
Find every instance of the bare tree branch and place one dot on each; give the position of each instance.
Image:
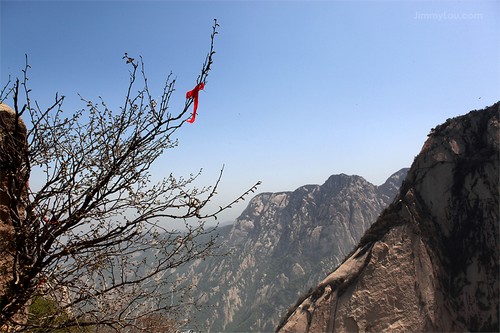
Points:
(93, 239)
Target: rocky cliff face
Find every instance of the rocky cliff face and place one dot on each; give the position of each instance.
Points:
(13, 190)
(431, 260)
(282, 244)
(12, 145)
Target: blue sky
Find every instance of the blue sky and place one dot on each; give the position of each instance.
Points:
(300, 90)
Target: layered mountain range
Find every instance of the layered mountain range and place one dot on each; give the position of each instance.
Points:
(430, 262)
(281, 245)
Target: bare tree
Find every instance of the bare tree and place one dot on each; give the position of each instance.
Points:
(93, 239)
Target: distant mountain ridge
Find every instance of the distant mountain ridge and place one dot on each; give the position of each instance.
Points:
(282, 244)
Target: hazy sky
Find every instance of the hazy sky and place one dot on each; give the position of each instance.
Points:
(300, 90)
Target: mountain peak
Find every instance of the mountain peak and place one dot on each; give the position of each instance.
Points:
(282, 244)
(341, 181)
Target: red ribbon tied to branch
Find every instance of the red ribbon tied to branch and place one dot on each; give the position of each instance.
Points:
(194, 95)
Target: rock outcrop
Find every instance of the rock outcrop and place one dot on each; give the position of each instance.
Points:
(12, 146)
(282, 244)
(13, 188)
(431, 260)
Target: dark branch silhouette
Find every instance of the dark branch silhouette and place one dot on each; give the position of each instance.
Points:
(93, 240)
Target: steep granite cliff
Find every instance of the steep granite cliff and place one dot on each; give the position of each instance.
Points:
(431, 260)
(282, 244)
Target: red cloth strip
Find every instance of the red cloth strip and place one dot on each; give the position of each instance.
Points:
(194, 95)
